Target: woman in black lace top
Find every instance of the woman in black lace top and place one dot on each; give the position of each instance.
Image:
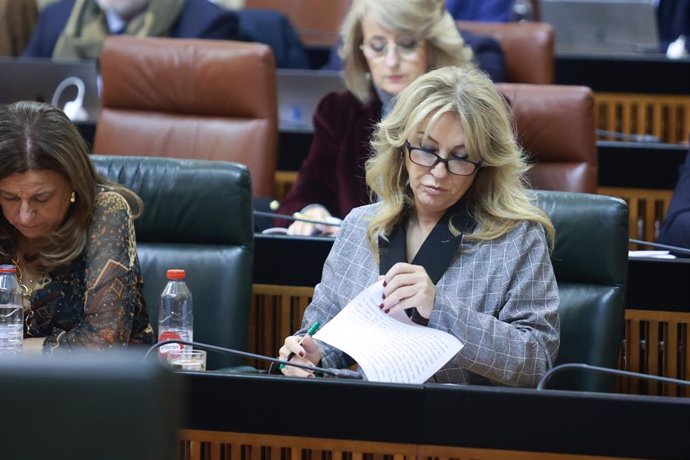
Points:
(71, 234)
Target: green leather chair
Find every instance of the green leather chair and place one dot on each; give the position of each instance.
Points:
(197, 216)
(591, 265)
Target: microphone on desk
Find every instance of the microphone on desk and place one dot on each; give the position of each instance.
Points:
(677, 249)
(605, 370)
(645, 138)
(275, 215)
(74, 109)
(338, 373)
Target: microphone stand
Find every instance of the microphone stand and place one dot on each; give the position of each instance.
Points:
(338, 373)
(276, 215)
(677, 249)
(641, 138)
(605, 370)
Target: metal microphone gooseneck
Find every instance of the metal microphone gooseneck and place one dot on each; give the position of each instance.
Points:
(276, 215)
(677, 249)
(605, 370)
(340, 373)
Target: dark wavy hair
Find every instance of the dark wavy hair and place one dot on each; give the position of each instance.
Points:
(38, 136)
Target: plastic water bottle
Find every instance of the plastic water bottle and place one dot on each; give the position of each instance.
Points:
(175, 317)
(11, 312)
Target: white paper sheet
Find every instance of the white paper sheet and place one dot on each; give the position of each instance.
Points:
(654, 254)
(388, 348)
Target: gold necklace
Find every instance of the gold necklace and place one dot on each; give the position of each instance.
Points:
(27, 293)
(26, 283)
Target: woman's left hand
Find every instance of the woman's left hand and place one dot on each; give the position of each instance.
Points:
(33, 345)
(408, 286)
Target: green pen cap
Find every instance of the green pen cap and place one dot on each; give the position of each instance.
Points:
(314, 327)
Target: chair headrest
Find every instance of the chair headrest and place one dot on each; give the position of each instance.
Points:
(589, 229)
(220, 78)
(186, 201)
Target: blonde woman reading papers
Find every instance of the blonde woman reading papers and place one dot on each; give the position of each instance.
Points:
(455, 238)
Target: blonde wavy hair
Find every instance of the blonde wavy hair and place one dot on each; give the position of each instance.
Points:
(427, 20)
(38, 136)
(498, 199)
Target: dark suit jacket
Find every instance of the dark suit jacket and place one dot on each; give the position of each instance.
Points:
(674, 21)
(481, 10)
(676, 227)
(273, 28)
(333, 172)
(198, 19)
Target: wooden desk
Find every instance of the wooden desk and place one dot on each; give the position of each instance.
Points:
(634, 94)
(275, 418)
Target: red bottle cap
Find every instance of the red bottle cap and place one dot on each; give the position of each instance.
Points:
(176, 274)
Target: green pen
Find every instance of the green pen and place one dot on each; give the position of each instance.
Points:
(312, 330)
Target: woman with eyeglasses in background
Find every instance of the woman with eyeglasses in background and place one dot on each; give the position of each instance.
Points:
(387, 44)
(456, 238)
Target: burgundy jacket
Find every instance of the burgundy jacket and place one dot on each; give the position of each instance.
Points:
(333, 172)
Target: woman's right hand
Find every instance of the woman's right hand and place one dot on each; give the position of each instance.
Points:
(315, 212)
(301, 351)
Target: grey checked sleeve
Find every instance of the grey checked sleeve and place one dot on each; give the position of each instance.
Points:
(518, 343)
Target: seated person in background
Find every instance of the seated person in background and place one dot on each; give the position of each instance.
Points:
(274, 29)
(481, 10)
(487, 53)
(455, 236)
(77, 28)
(675, 230)
(71, 235)
(387, 44)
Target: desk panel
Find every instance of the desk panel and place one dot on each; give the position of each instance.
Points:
(350, 419)
(639, 165)
(659, 284)
(320, 407)
(556, 421)
(641, 73)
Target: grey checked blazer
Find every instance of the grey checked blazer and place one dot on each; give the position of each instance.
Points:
(499, 298)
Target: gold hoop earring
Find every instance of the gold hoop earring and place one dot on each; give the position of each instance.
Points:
(73, 198)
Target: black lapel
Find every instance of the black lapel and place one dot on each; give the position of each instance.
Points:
(438, 249)
(392, 251)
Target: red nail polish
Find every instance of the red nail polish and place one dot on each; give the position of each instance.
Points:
(385, 284)
(384, 296)
(381, 306)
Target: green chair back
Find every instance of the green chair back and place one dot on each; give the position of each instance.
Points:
(591, 264)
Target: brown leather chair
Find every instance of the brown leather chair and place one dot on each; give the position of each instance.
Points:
(186, 98)
(555, 125)
(528, 48)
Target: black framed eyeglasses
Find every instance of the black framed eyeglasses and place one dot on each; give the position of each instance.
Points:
(429, 158)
